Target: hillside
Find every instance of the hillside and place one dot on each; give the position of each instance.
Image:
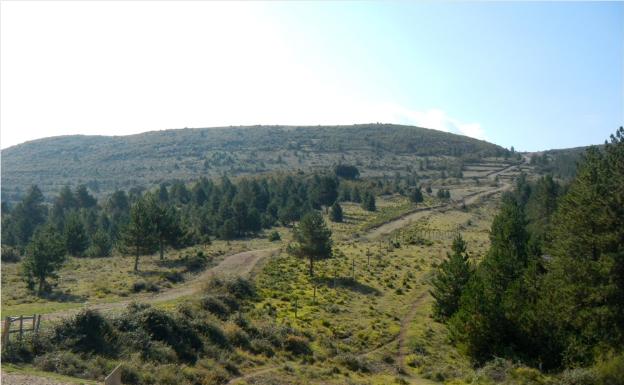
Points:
(106, 163)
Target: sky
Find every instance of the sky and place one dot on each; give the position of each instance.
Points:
(526, 74)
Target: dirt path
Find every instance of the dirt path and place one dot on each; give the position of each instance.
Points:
(417, 214)
(240, 264)
(28, 379)
(405, 324)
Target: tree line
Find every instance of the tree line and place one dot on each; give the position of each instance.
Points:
(550, 290)
(172, 215)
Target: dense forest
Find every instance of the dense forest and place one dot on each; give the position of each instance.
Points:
(106, 164)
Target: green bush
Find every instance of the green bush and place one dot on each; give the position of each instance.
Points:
(261, 346)
(215, 305)
(354, 363)
(236, 336)
(274, 236)
(610, 370)
(62, 362)
(297, 345)
(196, 262)
(17, 352)
(173, 276)
(87, 332)
(238, 287)
(142, 285)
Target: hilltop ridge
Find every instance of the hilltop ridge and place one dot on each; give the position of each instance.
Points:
(106, 163)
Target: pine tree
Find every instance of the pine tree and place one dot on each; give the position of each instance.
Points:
(139, 236)
(368, 202)
(101, 245)
(44, 256)
(416, 195)
(76, 238)
(336, 212)
(27, 215)
(83, 198)
(585, 280)
(313, 239)
(450, 280)
(487, 322)
(166, 223)
(356, 196)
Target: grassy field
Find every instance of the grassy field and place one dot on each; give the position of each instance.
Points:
(85, 281)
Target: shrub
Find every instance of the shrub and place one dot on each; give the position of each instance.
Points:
(158, 351)
(610, 370)
(579, 376)
(173, 276)
(17, 352)
(63, 362)
(215, 306)
(262, 346)
(144, 324)
(297, 345)
(177, 333)
(238, 287)
(9, 254)
(196, 262)
(139, 285)
(274, 236)
(354, 363)
(142, 285)
(87, 332)
(236, 336)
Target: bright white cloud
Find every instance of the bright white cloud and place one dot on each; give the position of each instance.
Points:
(436, 119)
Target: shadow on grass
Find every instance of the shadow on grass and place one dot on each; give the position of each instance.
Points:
(348, 283)
(172, 263)
(148, 273)
(59, 296)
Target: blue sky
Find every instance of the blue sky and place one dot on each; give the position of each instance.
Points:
(528, 74)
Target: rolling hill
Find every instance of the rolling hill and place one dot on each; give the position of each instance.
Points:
(106, 163)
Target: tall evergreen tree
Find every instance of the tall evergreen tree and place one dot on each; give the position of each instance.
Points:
(44, 256)
(585, 280)
(313, 239)
(368, 202)
(166, 223)
(416, 195)
(76, 238)
(450, 280)
(486, 323)
(139, 236)
(336, 212)
(27, 215)
(83, 198)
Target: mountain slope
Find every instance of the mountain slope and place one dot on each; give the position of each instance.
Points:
(106, 163)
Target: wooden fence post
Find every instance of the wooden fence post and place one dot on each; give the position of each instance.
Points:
(5, 331)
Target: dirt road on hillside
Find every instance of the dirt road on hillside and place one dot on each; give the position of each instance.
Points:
(417, 214)
(240, 264)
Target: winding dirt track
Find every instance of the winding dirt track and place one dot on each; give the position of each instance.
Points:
(240, 264)
(419, 213)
